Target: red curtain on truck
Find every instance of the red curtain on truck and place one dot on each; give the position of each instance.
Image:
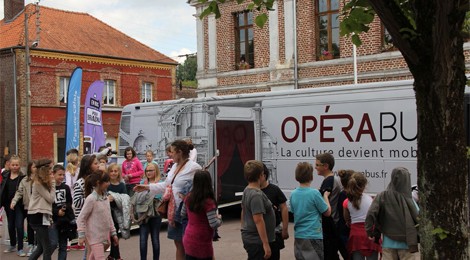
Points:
(231, 135)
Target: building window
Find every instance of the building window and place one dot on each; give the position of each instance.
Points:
(244, 43)
(387, 42)
(64, 86)
(108, 93)
(146, 92)
(328, 29)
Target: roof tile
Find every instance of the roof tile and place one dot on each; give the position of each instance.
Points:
(75, 32)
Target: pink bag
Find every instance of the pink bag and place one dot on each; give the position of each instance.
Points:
(167, 206)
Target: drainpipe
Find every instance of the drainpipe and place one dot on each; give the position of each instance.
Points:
(28, 89)
(355, 63)
(15, 100)
(296, 66)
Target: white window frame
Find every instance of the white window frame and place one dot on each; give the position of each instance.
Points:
(109, 100)
(145, 95)
(63, 88)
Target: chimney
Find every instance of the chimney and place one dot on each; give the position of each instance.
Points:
(11, 8)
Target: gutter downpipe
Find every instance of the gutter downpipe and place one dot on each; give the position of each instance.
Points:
(355, 63)
(296, 65)
(16, 101)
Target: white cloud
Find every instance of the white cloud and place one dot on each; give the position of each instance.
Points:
(167, 26)
(180, 56)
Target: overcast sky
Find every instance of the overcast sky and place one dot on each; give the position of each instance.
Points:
(167, 26)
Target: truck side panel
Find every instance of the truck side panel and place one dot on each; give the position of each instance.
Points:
(369, 132)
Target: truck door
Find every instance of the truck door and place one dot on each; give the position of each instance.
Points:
(236, 145)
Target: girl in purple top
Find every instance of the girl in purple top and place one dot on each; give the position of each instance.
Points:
(132, 170)
(201, 209)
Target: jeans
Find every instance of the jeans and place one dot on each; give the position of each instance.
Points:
(153, 227)
(44, 243)
(114, 253)
(58, 237)
(31, 240)
(15, 220)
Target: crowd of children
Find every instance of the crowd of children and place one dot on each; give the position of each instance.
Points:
(91, 201)
(337, 220)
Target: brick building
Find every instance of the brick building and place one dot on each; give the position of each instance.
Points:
(311, 31)
(59, 41)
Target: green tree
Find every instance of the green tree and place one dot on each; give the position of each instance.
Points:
(428, 33)
(187, 70)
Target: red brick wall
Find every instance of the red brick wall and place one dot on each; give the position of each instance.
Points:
(48, 115)
(309, 67)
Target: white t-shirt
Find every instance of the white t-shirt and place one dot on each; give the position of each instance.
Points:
(193, 155)
(359, 215)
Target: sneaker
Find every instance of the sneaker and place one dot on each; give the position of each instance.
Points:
(9, 249)
(21, 253)
(30, 250)
(77, 247)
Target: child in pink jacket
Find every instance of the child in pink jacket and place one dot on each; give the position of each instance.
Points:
(132, 170)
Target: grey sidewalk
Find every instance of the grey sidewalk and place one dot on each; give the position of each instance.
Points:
(228, 247)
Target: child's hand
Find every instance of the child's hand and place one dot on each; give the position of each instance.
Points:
(81, 241)
(110, 198)
(115, 240)
(12, 206)
(267, 251)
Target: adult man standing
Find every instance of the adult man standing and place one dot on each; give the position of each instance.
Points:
(331, 240)
(278, 199)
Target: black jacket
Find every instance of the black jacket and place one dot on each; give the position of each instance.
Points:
(3, 195)
(63, 197)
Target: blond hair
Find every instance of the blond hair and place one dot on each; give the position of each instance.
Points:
(112, 166)
(72, 163)
(157, 172)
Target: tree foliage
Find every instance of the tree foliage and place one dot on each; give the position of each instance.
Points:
(187, 70)
(258, 5)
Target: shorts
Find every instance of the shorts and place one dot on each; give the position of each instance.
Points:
(175, 232)
(308, 249)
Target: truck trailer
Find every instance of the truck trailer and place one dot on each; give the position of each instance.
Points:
(370, 128)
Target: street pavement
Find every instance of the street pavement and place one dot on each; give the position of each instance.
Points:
(229, 245)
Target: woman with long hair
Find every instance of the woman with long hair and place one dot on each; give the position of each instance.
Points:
(180, 179)
(40, 208)
(88, 165)
(201, 209)
(359, 246)
(23, 194)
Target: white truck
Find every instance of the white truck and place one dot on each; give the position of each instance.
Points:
(370, 128)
